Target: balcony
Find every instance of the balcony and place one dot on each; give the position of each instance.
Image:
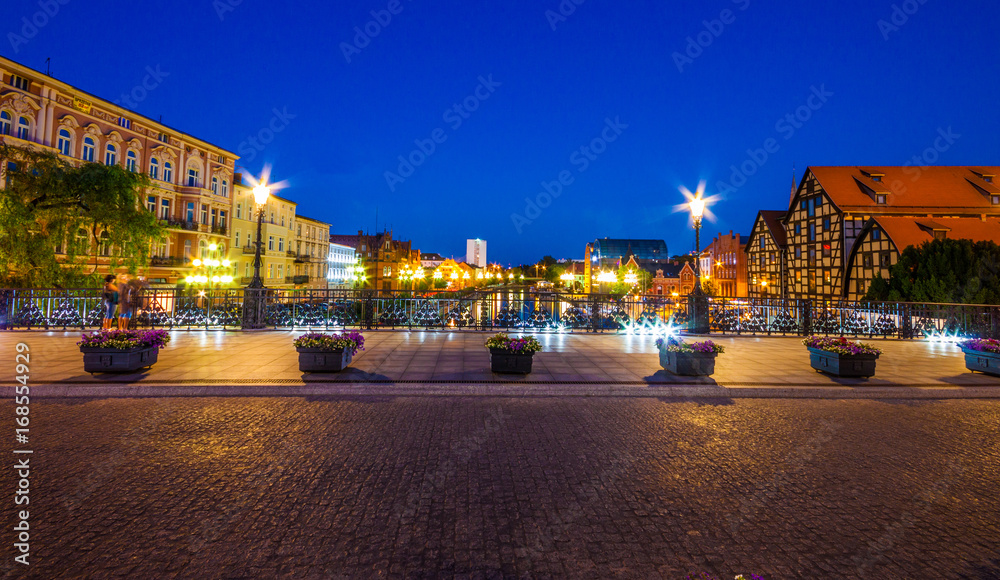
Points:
(182, 224)
(291, 254)
(249, 250)
(296, 279)
(169, 261)
(302, 257)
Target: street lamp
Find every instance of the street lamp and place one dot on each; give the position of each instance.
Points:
(253, 296)
(697, 206)
(697, 301)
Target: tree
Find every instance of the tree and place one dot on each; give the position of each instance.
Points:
(947, 270)
(710, 288)
(48, 203)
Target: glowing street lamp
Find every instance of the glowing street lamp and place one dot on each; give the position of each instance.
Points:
(253, 297)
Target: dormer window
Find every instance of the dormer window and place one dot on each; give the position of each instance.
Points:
(880, 199)
(873, 175)
(995, 199)
(940, 234)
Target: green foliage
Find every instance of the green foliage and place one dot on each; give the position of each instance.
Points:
(48, 202)
(958, 271)
(710, 287)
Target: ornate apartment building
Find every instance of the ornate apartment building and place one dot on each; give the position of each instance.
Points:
(833, 206)
(312, 249)
(192, 180)
(381, 258)
(765, 255)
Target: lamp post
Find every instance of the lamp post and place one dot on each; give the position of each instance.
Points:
(253, 296)
(697, 301)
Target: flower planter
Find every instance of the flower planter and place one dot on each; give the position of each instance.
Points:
(982, 361)
(688, 364)
(504, 361)
(842, 365)
(116, 360)
(318, 360)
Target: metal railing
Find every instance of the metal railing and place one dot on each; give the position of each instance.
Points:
(514, 309)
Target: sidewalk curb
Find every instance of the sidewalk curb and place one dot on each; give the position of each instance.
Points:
(89, 391)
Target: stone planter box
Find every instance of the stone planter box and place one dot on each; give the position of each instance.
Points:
(503, 361)
(688, 364)
(842, 365)
(982, 361)
(116, 360)
(317, 360)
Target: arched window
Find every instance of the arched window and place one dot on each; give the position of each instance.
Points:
(105, 245)
(225, 188)
(88, 149)
(202, 248)
(4, 123)
(154, 168)
(22, 128)
(192, 177)
(168, 172)
(215, 185)
(130, 161)
(64, 140)
(81, 242)
(111, 154)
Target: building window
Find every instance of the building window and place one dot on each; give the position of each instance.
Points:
(239, 211)
(5, 123)
(20, 82)
(164, 138)
(215, 185)
(151, 203)
(237, 238)
(885, 259)
(812, 257)
(22, 128)
(995, 199)
(827, 279)
(111, 155)
(826, 250)
(127, 123)
(189, 214)
(270, 243)
(774, 259)
(798, 275)
(88, 149)
(940, 234)
(826, 224)
(798, 229)
(880, 199)
(213, 217)
(763, 243)
(154, 168)
(192, 177)
(282, 220)
(876, 234)
(164, 209)
(64, 141)
(225, 188)
(281, 244)
(168, 172)
(762, 261)
(130, 161)
(187, 249)
(222, 219)
(204, 214)
(811, 207)
(798, 252)
(248, 238)
(867, 260)
(281, 270)
(202, 248)
(812, 232)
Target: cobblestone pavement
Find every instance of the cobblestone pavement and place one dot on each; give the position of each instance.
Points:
(481, 487)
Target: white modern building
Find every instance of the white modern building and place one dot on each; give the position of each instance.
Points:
(342, 263)
(475, 253)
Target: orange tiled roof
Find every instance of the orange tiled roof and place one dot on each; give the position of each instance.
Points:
(911, 190)
(910, 231)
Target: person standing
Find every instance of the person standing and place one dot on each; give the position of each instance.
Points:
(110, 296)
(125, 302)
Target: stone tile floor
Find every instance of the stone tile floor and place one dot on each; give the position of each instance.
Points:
(219, 357)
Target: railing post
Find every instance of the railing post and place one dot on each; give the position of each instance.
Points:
(806, 308)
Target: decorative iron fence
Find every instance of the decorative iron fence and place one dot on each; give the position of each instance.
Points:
(498, 309)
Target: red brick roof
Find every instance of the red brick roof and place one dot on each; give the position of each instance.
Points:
(909, 231)
(772, 218)
(910, 190)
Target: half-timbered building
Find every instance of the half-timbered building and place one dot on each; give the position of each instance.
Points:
(883, 239)
(765, 255)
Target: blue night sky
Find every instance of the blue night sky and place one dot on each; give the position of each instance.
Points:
(888, 91)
